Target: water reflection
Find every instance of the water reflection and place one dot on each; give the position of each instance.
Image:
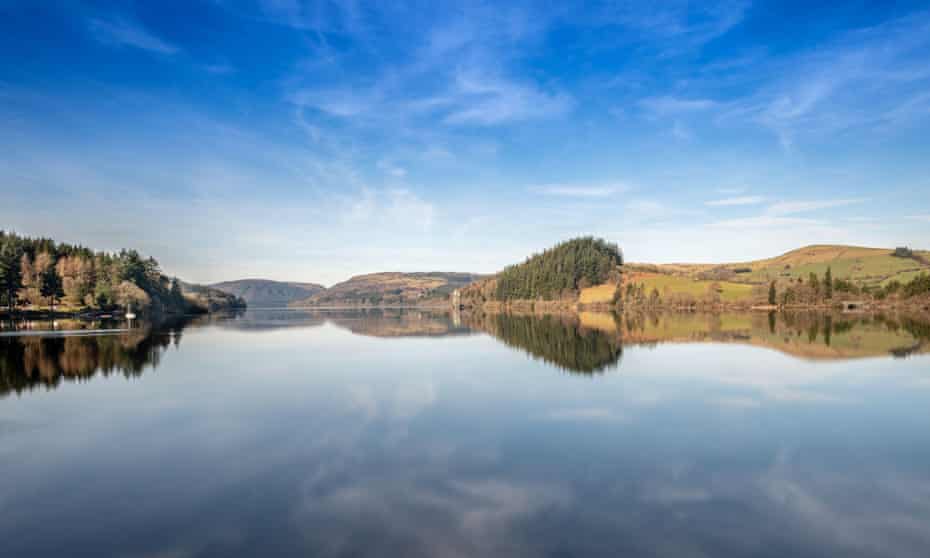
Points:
(253, 440)
(398, 322)
(567, 341)
(808, 335)
(374, 322)
(585, 343)
(31, 361)
(592, 342)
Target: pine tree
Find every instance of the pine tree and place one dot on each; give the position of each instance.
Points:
(828, 284)
(51, 286)
(772, 293)
(11, 278)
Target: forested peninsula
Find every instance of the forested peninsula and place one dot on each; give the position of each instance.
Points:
(590, 273)
(42, 276)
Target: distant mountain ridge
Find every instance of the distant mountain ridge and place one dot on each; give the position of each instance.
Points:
(392, 288)
(268, 293)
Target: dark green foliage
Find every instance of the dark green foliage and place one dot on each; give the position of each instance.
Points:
(566, 345)
(566, 268)
(814, 283)
(11, 278)
(845, 286)
(917, 286)
(828, 284)
(772, 293)
(177, 297)
(50, 285)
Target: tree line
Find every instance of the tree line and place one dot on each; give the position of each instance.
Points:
(815, 290)
(560, 271)
(39, 272)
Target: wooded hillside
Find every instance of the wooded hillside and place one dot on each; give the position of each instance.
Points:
(563, 269)
(39, 272)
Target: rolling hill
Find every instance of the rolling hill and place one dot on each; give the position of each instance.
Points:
(391, 289)
(580, 272)
(870, 266)
(745, 281)
(259, 293)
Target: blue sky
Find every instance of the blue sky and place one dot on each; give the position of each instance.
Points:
(312, 141)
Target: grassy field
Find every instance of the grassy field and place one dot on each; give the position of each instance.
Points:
(680, 284)
(601, 294)
(871, 266)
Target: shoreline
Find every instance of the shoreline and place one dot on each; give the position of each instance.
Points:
(919, 306)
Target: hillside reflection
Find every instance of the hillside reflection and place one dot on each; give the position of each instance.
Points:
(585, 343)
(562, 340)
(592, 342)
(807, 335)
(373, 322)
(397, 322)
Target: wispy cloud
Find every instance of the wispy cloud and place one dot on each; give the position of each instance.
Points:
(673, 27)
(865, 78)
(393, 210)
(666, 105)
(470, 97)
(120, 31)
(581, 190)
(791, 207)
(486, 100)
(739, 200)
(765, 221)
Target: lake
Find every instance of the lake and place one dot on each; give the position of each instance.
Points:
(409, 433)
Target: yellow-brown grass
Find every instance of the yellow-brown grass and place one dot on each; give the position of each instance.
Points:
(600, 294)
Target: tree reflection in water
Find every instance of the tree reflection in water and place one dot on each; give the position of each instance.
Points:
(562, 340)
(589, 342)
(585, 343)
(32, 361)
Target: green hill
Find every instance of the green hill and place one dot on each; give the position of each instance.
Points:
(867, 266)
(858, 271)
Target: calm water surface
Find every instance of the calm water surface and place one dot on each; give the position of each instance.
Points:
(403, 433)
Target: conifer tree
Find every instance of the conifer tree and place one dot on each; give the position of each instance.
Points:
(51, 286)
(11, 279)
